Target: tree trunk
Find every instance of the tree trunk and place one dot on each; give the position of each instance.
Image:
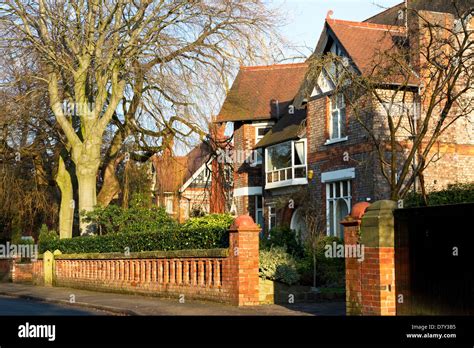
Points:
(110, 186)
(66, 208)
(87, 199)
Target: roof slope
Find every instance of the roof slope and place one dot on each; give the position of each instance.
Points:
(255, 89)
(365, 41)
(287, 128)
(173, 171)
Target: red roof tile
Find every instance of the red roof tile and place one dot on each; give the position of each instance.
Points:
(366, 43)
(256, 88)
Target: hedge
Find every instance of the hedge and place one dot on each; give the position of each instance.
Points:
(177, 238)
(452, 194)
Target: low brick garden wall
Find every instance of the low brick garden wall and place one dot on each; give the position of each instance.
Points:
(224, 275)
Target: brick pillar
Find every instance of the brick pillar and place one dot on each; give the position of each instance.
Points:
(370, 284)
(244, 261)
(351, 225)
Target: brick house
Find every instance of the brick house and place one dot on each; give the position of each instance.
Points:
(258, 100)
(189, 185)
(310, 148)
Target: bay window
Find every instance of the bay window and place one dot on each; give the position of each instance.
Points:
(285, 164)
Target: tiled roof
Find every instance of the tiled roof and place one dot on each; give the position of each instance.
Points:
(173, 171)
(255, 90)
(364, 41)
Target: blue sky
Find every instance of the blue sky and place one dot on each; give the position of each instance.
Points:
(305, 18)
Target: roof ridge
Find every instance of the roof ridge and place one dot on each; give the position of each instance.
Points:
(387, 9)
(366, 24)
(274, 66)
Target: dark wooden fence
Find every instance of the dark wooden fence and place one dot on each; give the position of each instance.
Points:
(434, 260)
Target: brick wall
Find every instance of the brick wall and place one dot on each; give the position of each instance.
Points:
(370, 283)
(222, 275)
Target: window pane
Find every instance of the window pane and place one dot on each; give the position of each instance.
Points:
(269, 177)
(300, 157)
(338, 189)
(280, 156)
(335, 125)
(333, 103)
(345, 188)
(300, 172)
(340, 101)
(259, 202)
(260, 218)
(330, 190)
(331, 218)
(262, 131)
(289, 174)
(342, 114)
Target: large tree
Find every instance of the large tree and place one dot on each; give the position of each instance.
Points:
(95, 53)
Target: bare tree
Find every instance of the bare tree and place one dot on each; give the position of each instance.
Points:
(411, 94)
(96, 52)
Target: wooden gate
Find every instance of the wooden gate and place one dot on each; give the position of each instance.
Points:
(434, 260)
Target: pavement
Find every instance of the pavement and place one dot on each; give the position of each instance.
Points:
(123, 304)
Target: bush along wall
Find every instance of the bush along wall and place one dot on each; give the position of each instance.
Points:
(452, 194)
(207, 233)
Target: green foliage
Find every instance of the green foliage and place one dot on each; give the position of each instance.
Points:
(285, 238)
(47, 236)
(136, 219)
(453, 194)
(170, 238)
(211, 220)
(278, 265)
(329, 271)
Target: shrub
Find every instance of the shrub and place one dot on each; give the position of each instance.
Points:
(278, 265)
(47, 236)
(211, 220)
(453, 194)
(285, 238)
(176, 238)
(114, 219)
(329, 271)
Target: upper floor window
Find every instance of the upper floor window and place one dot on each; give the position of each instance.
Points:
(260, 132)
(337, 117)
(286, 164)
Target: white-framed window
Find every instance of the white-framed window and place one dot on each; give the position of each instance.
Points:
(271, 217)
(259, 210)
(298, 223)
(338, 206)
(260, 132)
(169, 205)
(286, 164)
(337, 122)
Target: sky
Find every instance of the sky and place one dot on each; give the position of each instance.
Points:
(305, 18)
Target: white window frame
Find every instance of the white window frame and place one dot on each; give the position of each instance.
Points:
(260, 137)
(277, 173)
(169, 199)
(339, 136)
(331, 185)
(257, 209)
(270, 215)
